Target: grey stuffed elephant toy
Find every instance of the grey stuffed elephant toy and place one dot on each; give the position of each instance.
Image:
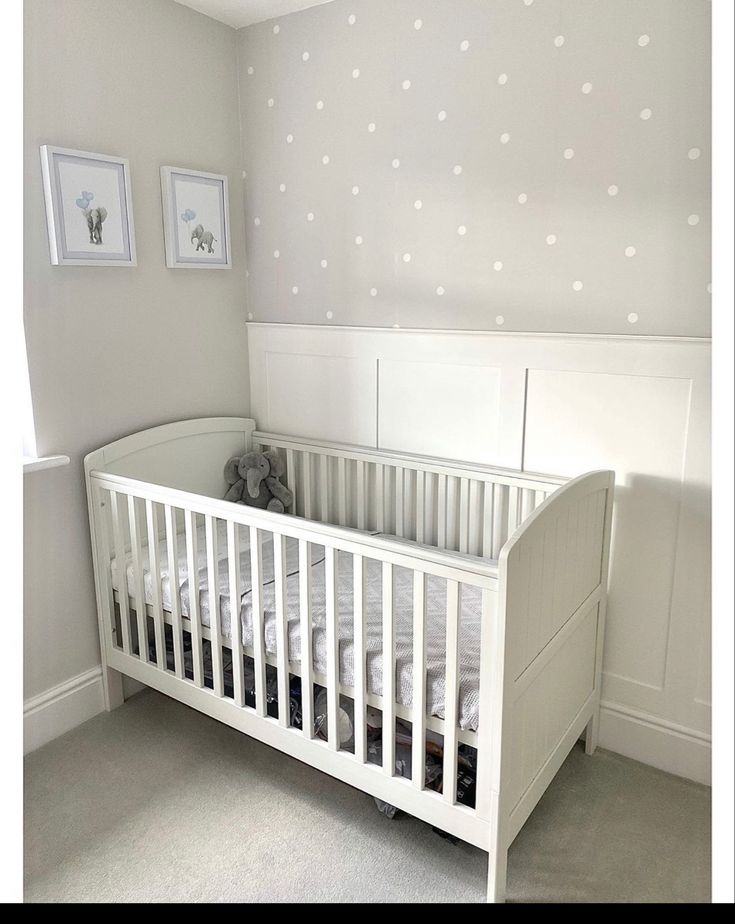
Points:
(254, 480)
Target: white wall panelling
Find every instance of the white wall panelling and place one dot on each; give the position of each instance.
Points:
(563, 404)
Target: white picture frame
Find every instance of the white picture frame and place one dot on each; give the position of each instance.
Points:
(89, 208)
(202, 240)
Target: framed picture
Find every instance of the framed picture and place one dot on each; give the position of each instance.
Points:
(89, 210)
(196, 219)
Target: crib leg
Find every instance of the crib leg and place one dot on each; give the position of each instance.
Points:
(592, 732)
(112, 685)
(497, 866)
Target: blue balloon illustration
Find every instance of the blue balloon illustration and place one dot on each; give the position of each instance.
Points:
(82, 203)
(87, 195)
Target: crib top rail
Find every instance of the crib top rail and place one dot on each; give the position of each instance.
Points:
(467, 569)
(459, 469)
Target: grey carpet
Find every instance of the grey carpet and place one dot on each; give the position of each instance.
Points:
(157, 803)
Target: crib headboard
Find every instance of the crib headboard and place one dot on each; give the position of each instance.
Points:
(458, 506)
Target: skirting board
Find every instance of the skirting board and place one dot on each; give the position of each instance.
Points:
(673, 748)
(62, 708)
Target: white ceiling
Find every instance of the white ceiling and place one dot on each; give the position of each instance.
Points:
(238, 13)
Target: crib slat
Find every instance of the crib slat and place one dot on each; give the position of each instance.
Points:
(256, 579)
(138, 578)
(291, 477)
(380, 498)
(172, 547)
(500, 524)
(400, 526)
(122, 570)
(324, 487)
(418, 715)
(420, 505)
(342, 490)
(487, 519)
(389, 673)
(488, 651)
(464, 512)
(154, 569)
(192, 564)
(330, 579)
(451, 693)
(233, 569)
(106, 543)
(441, 514)
(359, 656)
(307, 642)
(361, 506)
(307, 485)
(514, 510)
(527, 503)
(279, 576)
(210, 529)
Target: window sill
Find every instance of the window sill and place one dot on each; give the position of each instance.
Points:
(31, 464)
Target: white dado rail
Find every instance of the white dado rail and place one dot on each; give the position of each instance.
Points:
(564, 404)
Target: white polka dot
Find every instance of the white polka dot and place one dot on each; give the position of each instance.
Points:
(323, 264)
(395, 163)
(577, 285)
(256, 222)
(418, 23)
(244, 174)
(271, 103)
(709, 288)
(289, 139)
(325, 159)
(373, 292)
(568, 153)
(251, 70)
(586, 87)
(457, 169)
(418, 205)
(355, 190)
(305, 56)
(498, 265)
(407, 258)
(250, 315)
(693, 153)
(276, 254)
(282, 187)
(442, 115)
(461, 230)
(352, 19)
(643, 40)
(502, 79)
(358, 239)
(504, 138)
(693, 220)
(551, 239)
(559, 41)
(612, 190)
(632, 318)
(646, 114)
(276, 29)
(310, 216)
(397, 326)
(630, 251)
(464, 46)
(528, 2)
(320, 104)
(372, 126)
(356, 73)
(440, 290)
(522, 199)
(330, 315)
(295, 290)
(500, 320)
(406, 84)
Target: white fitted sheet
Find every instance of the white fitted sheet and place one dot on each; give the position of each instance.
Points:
(469, 647)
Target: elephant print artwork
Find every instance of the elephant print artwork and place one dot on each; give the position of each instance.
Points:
(204, 239)
(195, 219)
(92, 216)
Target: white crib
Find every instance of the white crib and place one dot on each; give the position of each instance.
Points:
(528, 552)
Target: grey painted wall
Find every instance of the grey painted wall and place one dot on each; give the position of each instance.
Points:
(569, 139)
(114, 350)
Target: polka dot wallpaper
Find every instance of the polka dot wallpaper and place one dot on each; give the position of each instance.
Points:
(535, 165)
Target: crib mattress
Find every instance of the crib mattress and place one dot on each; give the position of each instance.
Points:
(469, 640)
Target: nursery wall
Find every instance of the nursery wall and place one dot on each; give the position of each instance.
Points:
(114, 350)
(480, 163)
